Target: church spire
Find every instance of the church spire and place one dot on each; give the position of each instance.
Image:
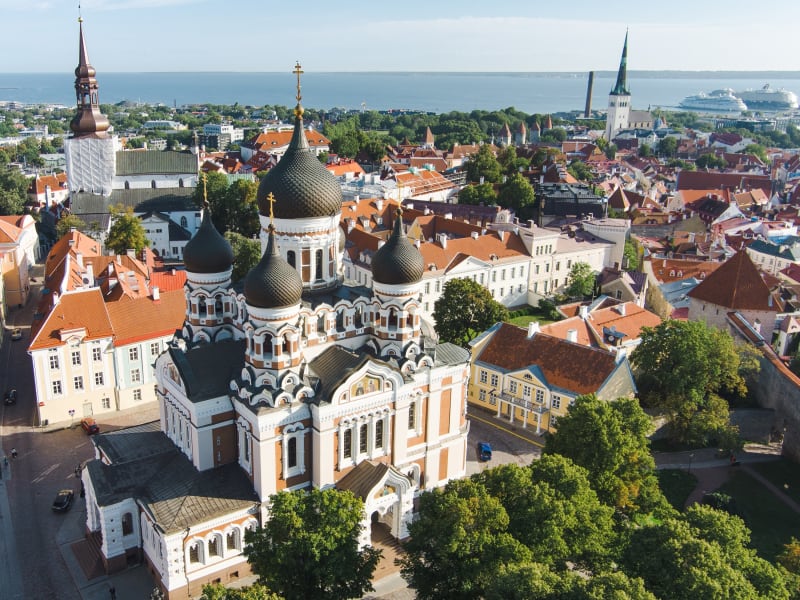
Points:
(621, 88)
(88, 121)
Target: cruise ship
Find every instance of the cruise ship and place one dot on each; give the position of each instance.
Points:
(768, 98)
(716, 101)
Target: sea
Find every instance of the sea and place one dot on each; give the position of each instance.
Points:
(437, 92)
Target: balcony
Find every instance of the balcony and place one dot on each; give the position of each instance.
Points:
(539, 409)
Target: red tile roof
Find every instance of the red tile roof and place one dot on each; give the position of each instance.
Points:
(137, 319)
(735, 285)
(75, 310)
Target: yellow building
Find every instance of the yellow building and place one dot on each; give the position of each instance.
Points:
(532, 378)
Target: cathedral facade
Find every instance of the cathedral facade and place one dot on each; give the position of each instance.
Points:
(291, 381)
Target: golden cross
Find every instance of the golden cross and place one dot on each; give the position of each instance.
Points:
(271, 200)
(298, 71)
(205, 189)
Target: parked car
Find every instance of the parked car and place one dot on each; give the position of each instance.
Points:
(484, 451)
(10, 397)
(16, 334)
(89, 426)
(63, 500)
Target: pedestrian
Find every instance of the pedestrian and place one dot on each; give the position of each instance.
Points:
(113, 593)
(13, 453)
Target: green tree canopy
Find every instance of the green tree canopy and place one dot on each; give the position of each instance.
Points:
(709, 160)
(516, 193)
(581, 280)
(458, 543)
(126, 231)
(580, 170)
(65, 224)
(464, 310)
(13, 191)
(609, 440)
(511, 163)
(309, 546)
(236, 209)
(668, 146)
(481, 193)
(246, 254)
(256, 591)
(484, 164)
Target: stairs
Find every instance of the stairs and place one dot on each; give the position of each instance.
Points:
(87, 553)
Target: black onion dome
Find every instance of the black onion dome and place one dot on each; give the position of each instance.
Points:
(272, 283)
(300, 183)
(207, 251)
(398, 261)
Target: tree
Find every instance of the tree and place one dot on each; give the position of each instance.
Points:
(464, 310)
(516, 193)
(523, 581)
(309, 546)
(668, 146)
(484, 165)
(758, 150)
(13, 191)
(246, 254)
(685, 367)
(235, 208)
(581, 280)
(580, 170)
(213, 187)
(65, 224)
(126, 231)
(645, 150)
(609, 440)
(709, 160)
(458, 543)
(554, 512)
(630, 255)
(511, 163)
(256, 591)
(481, 193)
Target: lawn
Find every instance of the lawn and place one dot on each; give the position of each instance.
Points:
(676, 484)
(771, 522)
(525, 319)
(784, 475)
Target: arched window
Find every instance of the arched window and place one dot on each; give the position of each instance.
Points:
(362, 438)
(180, 184)
(347, 443)
(153, 184)
(359, 317)
(321, 324)
(340, 320)
(214, 546)
(267, 345)
(127, 185)
(290, 258)
(379, 433)
(201, 306)
(195, 552)
(232, 540)
(291, 449)
(184, 220)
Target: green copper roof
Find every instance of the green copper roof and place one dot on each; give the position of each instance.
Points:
(621, 88)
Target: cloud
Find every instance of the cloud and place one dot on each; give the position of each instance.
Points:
(111, 5)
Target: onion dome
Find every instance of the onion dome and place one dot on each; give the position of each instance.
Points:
(273, 282)
(398, 261)
(207, 251)
(301, 184)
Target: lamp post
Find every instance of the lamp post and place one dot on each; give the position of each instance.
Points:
(691, 456)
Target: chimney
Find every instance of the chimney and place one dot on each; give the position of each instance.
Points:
(130, 253)
(572, 335)
(621, 309)
(417, 244)
(172, 272)
(55, 298)
(533, 328)
(501, 234)
(442, 239)
(356, 198)
(156, 294)
(90, 273)
(583, 312)
(474, 235)
(379, 203)
(79, 259)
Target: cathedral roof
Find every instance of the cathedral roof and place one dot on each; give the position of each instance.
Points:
(398, 261)
(273, 283)
(206, 370)
(207, 251)
(300, 183)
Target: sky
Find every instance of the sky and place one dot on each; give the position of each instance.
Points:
(368, 35)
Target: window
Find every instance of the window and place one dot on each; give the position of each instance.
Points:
(213, 546)
(106, 402)
(494, 380)
(494, 276)
(536, 269)
(362, 439)
(194, 553)
(184, 220)
(292, 452)
(412, 415)
(379, 433)
(484, 376)
(155, 349)
(137, 395)
(540, 396)
(53, 360)
(98, 379)
(96, 354)
(482, 395)
(133, 353)
(56, 388)
(558, 266)
(136, 376)
(556, 402)
(513, 387)
(76, 358)
(77, 382)
(232, 540)
(347, 443)
(127, 524)
(526, 391)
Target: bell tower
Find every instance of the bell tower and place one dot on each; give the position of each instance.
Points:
(619, 100)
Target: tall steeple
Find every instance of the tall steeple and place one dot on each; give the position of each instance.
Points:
(621, 88)
(89, 121)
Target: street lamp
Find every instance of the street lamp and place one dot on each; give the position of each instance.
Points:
(691, 456)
